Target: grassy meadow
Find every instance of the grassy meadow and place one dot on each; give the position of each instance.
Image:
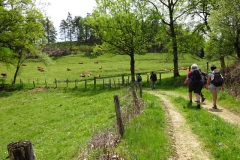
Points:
(112, 66)
(61, 121)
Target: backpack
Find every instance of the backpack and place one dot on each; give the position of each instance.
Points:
(139, 78)
(204, 78)
(196, 77)
(154, 77)
(216, 78)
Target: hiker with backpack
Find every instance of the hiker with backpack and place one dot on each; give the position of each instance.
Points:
(153, 78)
(214, 84)
(194, 81)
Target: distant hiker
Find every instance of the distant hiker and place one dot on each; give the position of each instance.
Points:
(204, 82)
(194, 81)
(214, 84)
(139, 79)
(153, 78)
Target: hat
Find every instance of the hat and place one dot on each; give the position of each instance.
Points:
(194, 66)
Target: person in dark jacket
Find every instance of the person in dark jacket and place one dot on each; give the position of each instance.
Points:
(153, 79)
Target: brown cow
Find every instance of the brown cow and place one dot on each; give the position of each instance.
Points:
(4, 74)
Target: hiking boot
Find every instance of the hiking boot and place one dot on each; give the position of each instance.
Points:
(203, 99)
(214, 107)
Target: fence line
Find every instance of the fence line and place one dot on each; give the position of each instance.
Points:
(110, 82)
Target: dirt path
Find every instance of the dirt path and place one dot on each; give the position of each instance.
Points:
(186, 144)
(221, 111)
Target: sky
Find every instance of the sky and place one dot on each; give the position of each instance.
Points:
(58, 10)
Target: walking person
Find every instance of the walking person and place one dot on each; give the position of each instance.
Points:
(194, 81)
(214, 84)
(153, 79)
(139, 80)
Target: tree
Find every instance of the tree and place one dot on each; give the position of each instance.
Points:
(123, 27)
(171, 11)
(225, 25)
(70, 28)
(63, 30)
(50, 31)
(21, 31)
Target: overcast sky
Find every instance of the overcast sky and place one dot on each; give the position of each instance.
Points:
(58, 10)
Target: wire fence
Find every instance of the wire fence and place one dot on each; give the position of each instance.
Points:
(86, 83)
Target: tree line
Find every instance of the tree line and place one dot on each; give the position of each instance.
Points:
(208, 28)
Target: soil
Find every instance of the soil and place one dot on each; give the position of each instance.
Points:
(186, 144)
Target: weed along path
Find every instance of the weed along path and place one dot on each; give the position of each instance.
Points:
(186, 144)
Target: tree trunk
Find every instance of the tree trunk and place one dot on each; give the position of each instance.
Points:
(222, 61)
(22, 150)
(174, 44)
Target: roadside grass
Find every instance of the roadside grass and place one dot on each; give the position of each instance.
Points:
(59, 122)
(146, 135)
(219, 137)
(224, 98)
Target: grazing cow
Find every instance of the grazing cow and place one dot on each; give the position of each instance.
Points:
(80, 62)
(97, 76)
(100, 67)
(96, 62)
(89, 74)
(68, 69)
(82, 75)
(4, 74)
(24, 65)
(41, 69)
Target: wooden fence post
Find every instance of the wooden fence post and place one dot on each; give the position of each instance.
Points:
(118, 115)
(45, 83)
(67, 81)
(103, 84)
(118, 82)
(76, 83)
(123, 80)
(110, 85)
(94, 80)
(160, 77)
(34, 84)
(114, 83)
(21, 83)
(22, 150)
(55, 82)
(85, 84)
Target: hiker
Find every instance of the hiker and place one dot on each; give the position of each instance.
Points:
(194, 81)
(214, 84)
(153, 78)
(204, 82)
(139, 79)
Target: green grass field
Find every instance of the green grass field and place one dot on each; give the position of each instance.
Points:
(61, 121)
